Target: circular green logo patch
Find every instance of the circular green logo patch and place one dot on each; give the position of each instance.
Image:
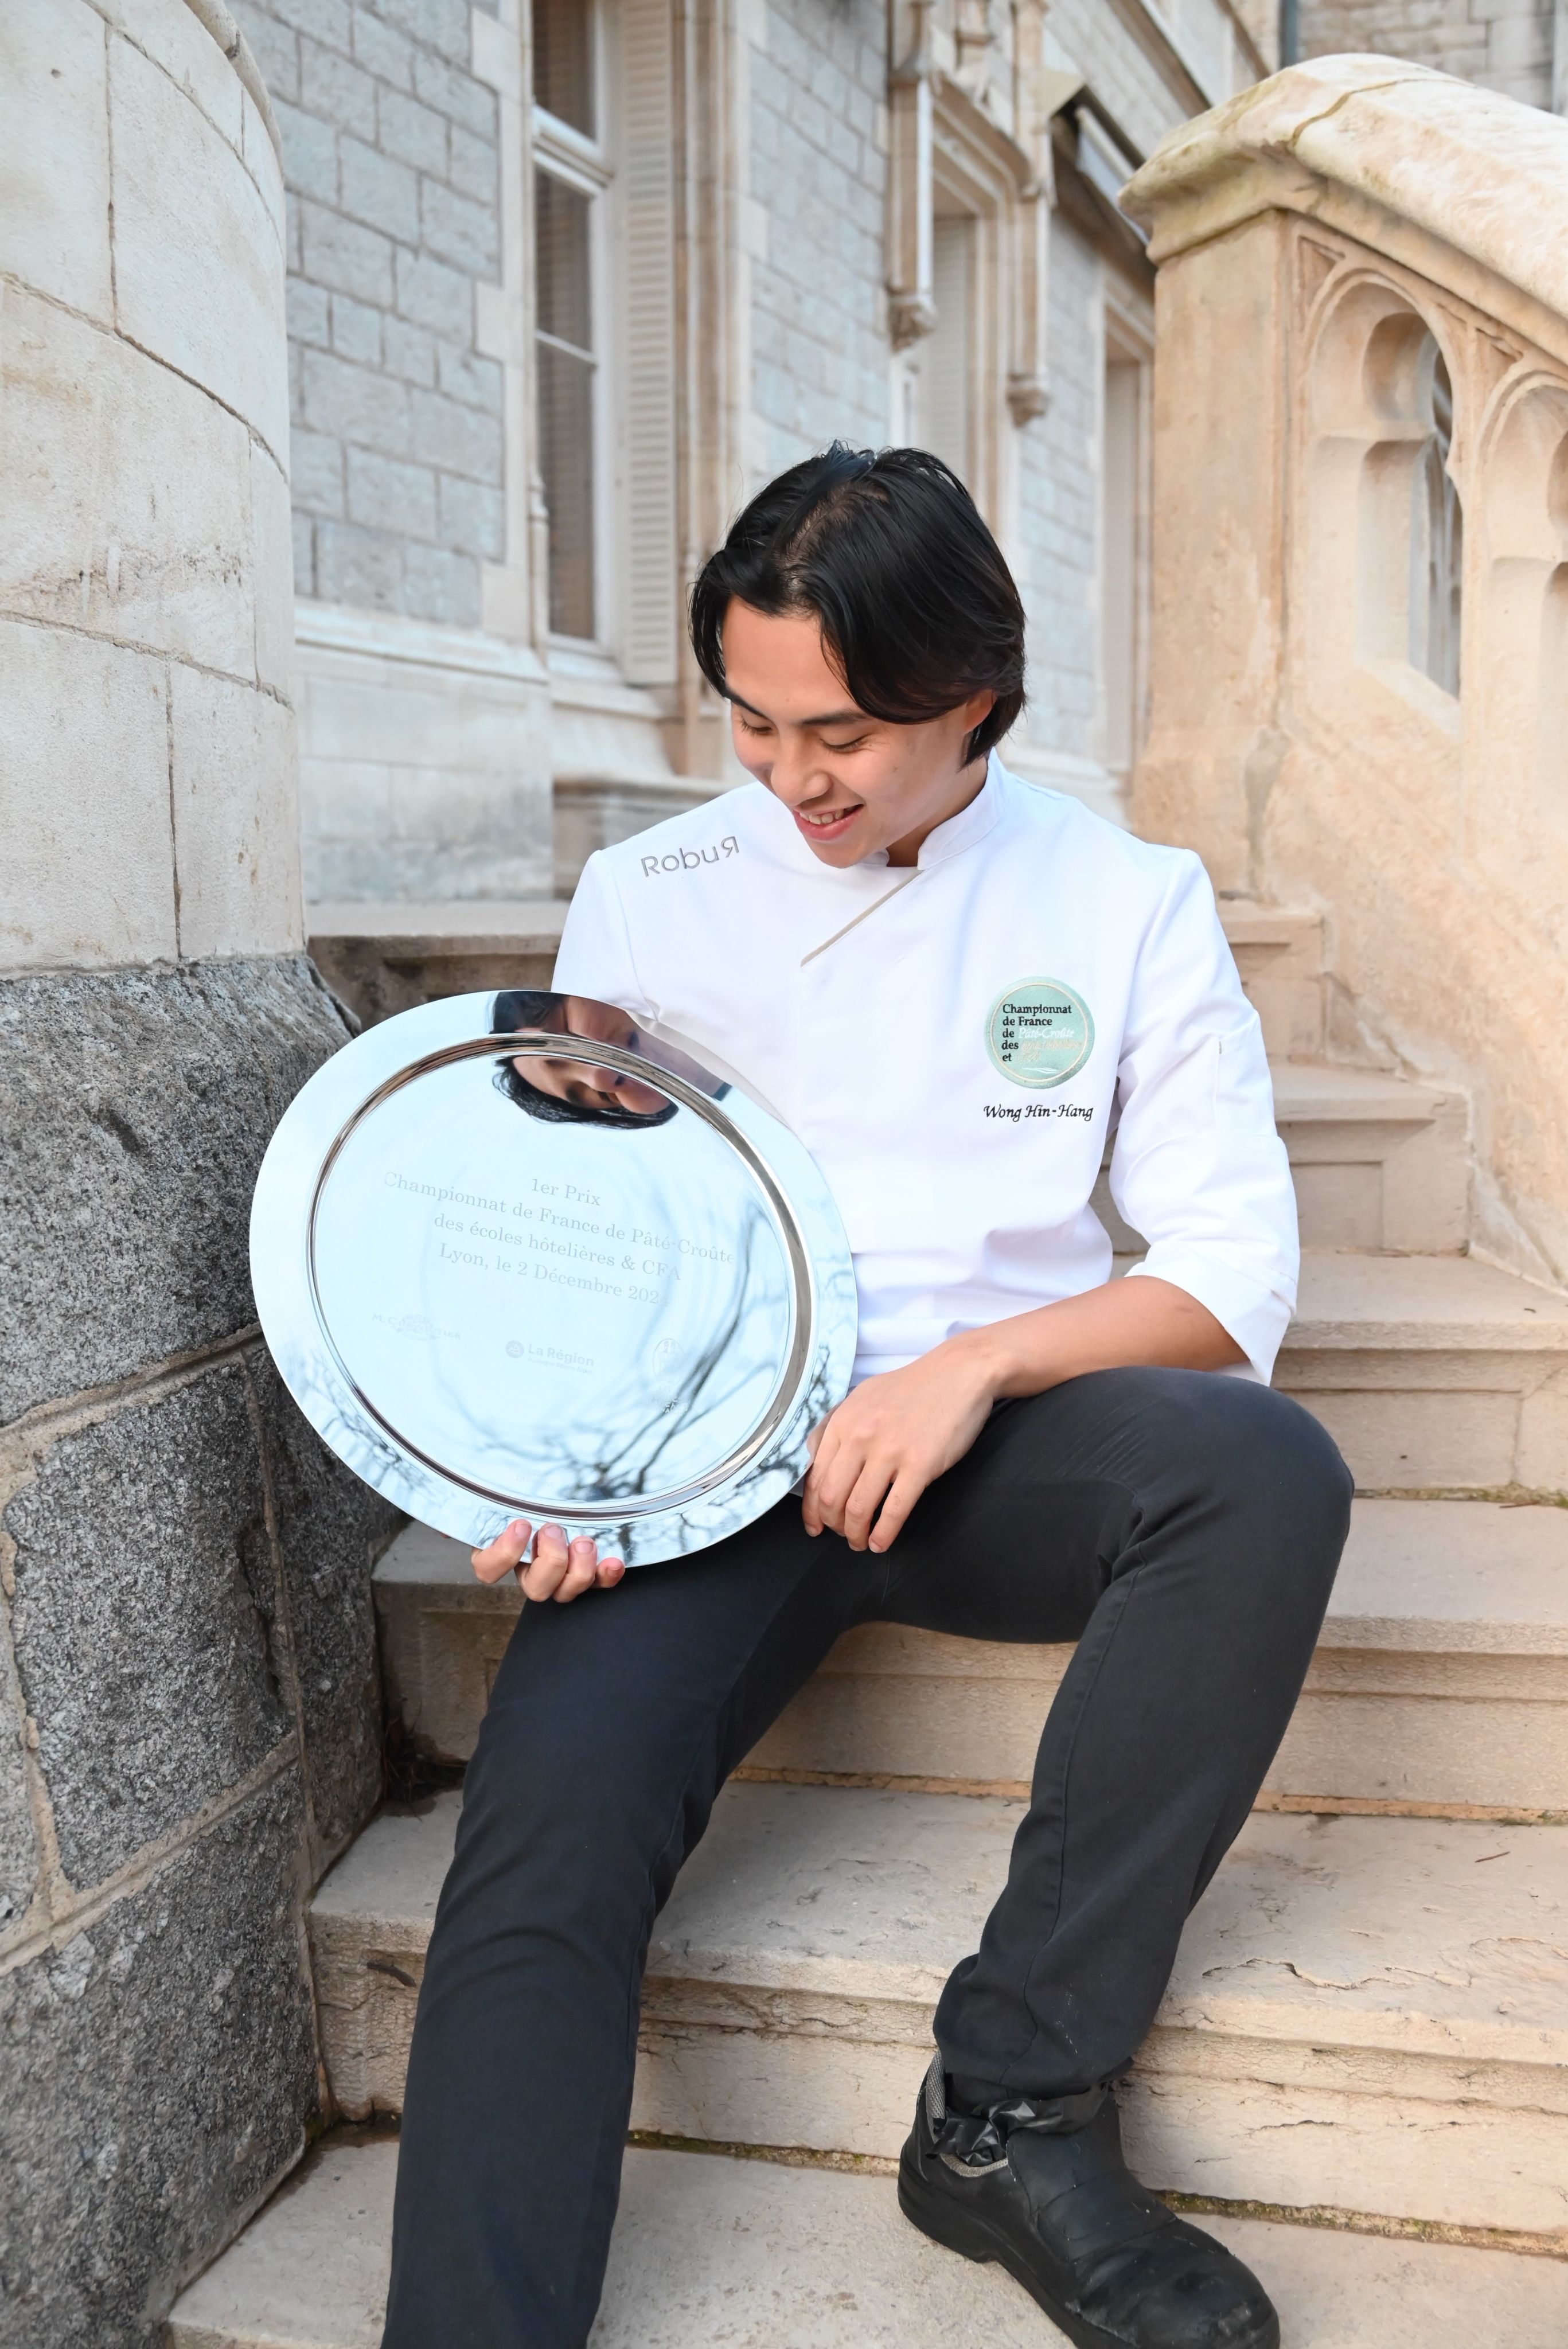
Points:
(1039, 1033)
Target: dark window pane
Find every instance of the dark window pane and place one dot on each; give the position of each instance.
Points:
(1437, 544)
(566, 462)
(563, 61)
(561, 267)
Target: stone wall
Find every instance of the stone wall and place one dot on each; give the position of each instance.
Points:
(390, 151)
(189, 1714)
(1393, 247)
(1504, 45)
(818, 170)
(424, 767)
(1058, 535)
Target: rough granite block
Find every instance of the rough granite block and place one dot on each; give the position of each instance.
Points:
(134, 1110)
(19, 1846)
(332, 1528)
(144, 1620)
(159, 2073)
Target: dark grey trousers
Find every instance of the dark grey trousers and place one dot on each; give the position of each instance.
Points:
(1183, 1527)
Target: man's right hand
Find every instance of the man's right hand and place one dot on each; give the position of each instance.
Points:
(557, 1569)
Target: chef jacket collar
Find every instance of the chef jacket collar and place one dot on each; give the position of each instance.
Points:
(947, 840)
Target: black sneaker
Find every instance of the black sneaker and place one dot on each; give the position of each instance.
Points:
(1042, 2189)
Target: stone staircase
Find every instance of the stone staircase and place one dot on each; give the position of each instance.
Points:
(1368, 2023)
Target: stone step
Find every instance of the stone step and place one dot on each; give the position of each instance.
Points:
(1378, 1163)
(1432, 1373)
(382, 958)
(1440, 1680)
(399, 953)
(1279, 959)
(1367, 2013)
(711, 2252)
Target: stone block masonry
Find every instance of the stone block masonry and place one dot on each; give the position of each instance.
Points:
(190, 1716)
(820, 350)
(1504, 45)
(391, 159)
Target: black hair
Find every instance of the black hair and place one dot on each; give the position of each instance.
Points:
(518, 1009)
(917, 608)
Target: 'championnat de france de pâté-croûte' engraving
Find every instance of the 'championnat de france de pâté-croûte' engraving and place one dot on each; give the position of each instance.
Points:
(583, 1249)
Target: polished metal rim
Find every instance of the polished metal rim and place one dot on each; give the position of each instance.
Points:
(591, 1054)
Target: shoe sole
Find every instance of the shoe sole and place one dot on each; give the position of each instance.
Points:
(972, 2239)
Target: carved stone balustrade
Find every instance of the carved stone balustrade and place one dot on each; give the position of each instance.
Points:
(1360, 656)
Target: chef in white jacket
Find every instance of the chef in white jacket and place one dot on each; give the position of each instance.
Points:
(957, 989)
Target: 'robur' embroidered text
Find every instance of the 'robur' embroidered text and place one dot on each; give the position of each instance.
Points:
(687, 860)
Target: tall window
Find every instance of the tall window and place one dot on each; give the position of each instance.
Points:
(1436, 540)
(936, 373)
(569, 180)
(1411, 537)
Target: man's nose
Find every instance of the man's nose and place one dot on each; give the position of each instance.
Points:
(797, 775)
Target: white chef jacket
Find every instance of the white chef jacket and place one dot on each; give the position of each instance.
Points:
(953, 1041)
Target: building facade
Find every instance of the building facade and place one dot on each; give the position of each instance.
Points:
(566, 284)
(1517, 47)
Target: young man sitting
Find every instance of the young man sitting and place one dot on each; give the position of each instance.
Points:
(953, 986)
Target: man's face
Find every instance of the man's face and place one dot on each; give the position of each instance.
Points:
(853, 784)
(580, 1081)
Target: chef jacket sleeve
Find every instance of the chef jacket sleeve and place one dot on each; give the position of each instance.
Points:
(595, 956)
(1198, 1167)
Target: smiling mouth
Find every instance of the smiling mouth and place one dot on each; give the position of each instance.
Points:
(827, 819)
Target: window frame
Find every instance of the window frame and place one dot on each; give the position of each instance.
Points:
(587, 164)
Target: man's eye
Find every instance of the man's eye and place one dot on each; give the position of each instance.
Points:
(858, 744)
(747, 727)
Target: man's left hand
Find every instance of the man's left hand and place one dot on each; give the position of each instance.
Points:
(889, 1439)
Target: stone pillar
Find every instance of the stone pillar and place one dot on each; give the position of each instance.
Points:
(189, 1712)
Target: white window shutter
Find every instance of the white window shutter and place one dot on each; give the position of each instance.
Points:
(653, 599)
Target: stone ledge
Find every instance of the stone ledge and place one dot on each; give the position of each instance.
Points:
(710, 2249)
(1369, 1976)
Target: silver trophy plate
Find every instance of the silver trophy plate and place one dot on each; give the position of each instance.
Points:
(514, 1257)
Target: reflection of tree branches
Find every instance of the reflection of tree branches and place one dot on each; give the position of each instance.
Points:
(620, 1470)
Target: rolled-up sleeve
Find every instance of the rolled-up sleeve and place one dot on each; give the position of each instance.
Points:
(1198, 1167)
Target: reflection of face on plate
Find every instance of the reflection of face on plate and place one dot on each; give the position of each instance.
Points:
(561, 1089)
